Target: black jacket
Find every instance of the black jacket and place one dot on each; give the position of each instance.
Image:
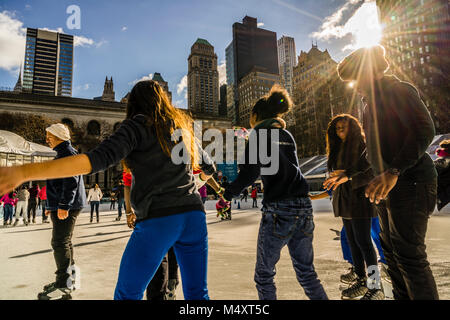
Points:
(443, 182)
(398, 130)
(287, 183)
(349, 200)
(67, 193)
(159, 187)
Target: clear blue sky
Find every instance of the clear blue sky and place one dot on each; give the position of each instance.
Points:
(135, 38)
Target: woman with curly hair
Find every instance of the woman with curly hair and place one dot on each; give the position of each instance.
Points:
(349, 174)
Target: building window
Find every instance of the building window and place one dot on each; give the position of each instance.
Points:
(68, 122)
(93, 128)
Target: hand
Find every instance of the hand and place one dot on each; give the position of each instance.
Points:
(63, 214)
(131, 220)
(221, 192)
(337, 173)
(380, 186)
(10, 178)
(47, 212)
(334, 182)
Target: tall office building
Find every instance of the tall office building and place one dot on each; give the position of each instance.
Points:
(416, 36)
(203, 79)
(48, 67)
(232, 94)
(253, 86)
(223, 101)
(252, 47)
(319, 95)
(287, 60)
(158, 78)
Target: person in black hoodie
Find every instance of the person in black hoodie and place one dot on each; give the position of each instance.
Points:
(350, 173)
(398, 129)
(287, 211)
(168, 208)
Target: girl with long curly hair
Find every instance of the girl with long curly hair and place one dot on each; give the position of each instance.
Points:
(168, 208)
(349, 174)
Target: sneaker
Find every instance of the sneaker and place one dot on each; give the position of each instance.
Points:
(48, 286)
(356, 291)
(16, 223)
(349, 277)
(34, 220)
(51, 292)
(374, 294)
(117, 219)
(171, 288)
(25, 222)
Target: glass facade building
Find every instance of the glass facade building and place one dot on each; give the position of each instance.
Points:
(48, 66)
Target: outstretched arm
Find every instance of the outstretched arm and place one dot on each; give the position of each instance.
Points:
(12, 177)
(319, 196)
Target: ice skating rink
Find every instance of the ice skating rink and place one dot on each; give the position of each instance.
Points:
(27, 263)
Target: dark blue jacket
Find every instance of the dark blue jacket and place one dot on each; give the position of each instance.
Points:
(67, 193)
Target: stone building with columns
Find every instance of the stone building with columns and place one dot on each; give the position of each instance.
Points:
(90, 122)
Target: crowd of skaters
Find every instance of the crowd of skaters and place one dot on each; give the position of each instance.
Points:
(378, 168)
(23, 203)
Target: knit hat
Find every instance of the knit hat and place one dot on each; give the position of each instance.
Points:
(363, 60)
(60, 131)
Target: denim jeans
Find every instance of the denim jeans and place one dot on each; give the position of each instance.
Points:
(8, 212)
(120, 203)
(95, 205)
(403, 221)
(290, 223)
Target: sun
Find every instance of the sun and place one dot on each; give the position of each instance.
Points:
(365, 27)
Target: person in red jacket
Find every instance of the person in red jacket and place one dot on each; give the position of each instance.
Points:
(43, 200)
(254, 196)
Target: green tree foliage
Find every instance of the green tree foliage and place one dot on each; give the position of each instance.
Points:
(29, 126)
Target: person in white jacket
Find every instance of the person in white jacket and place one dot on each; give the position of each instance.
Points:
(21, 207)
(94, 197)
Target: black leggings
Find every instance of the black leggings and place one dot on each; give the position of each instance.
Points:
(360, 242)
(168, 270)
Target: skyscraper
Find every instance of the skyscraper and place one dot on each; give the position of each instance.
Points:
(158, 78)
(48, 67)
(287, 60)
(252, 87)
(416, 36)
(223, 101)
(232, 94)
(318, 95)
(203, 79)
(252, 47)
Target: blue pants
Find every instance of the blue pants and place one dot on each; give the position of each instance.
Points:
(375, 233)
(120, 203)
(151, 239)
(287, 223)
